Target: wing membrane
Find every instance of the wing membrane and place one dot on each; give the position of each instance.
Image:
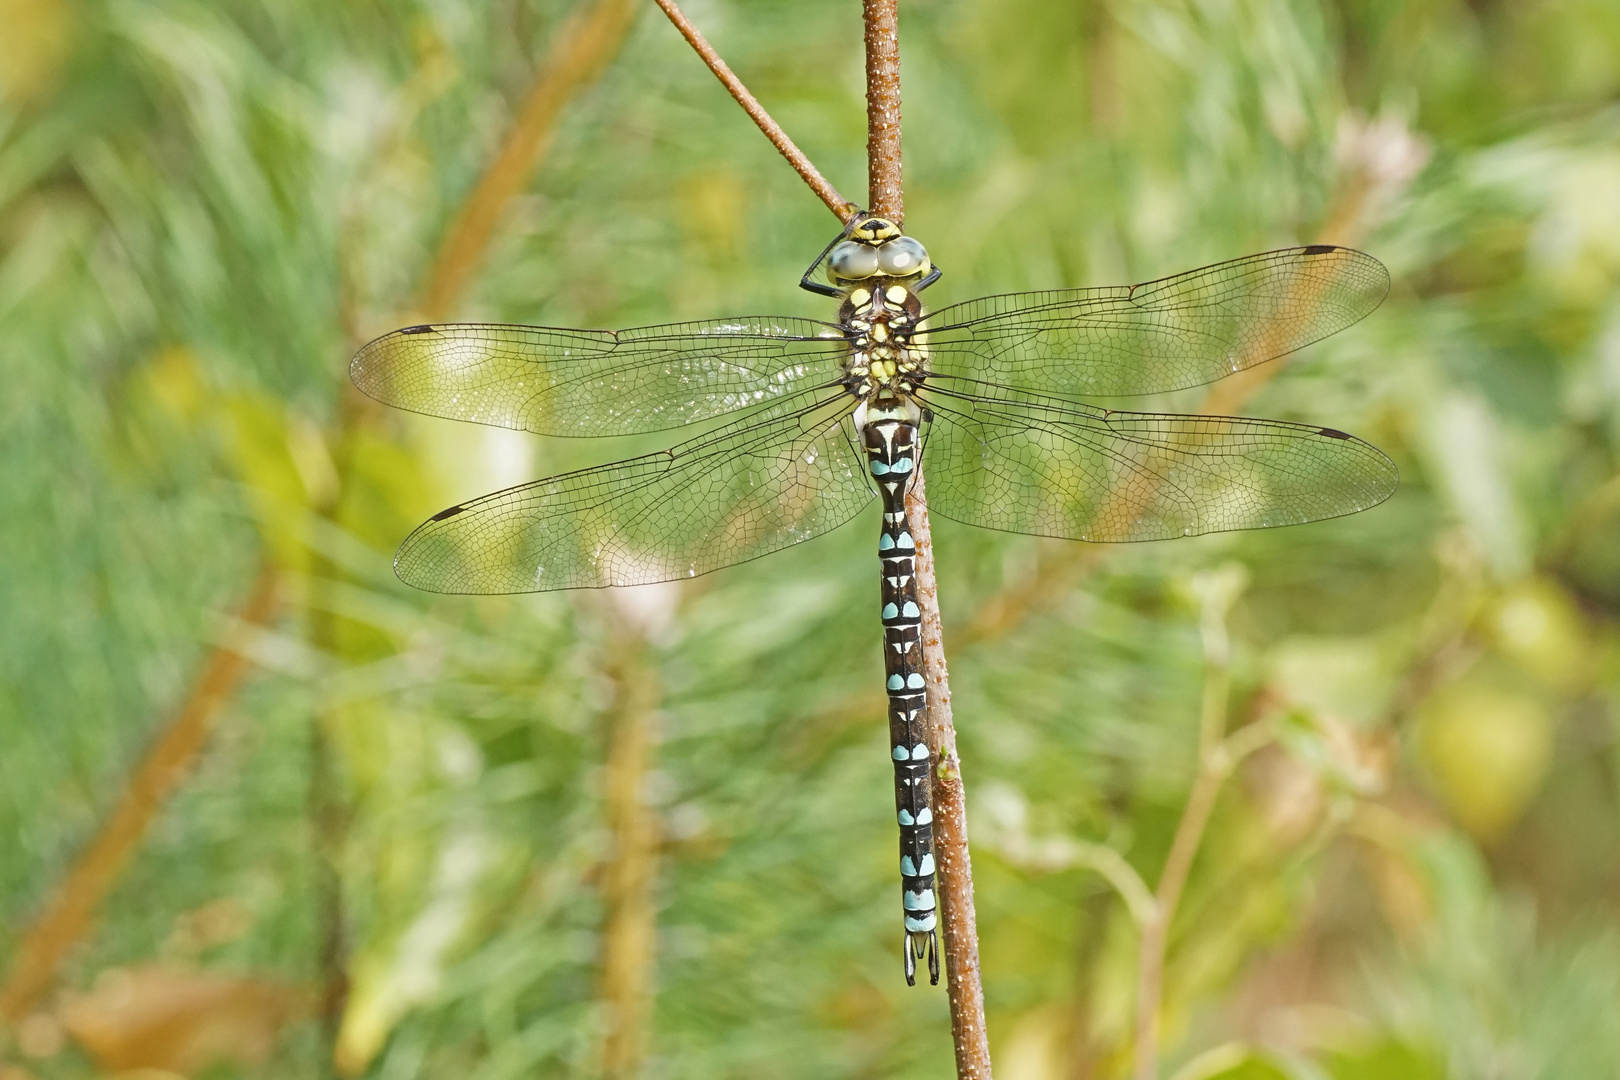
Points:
(1026, 464)
(1162, 335)
(596, 382)
(785, 473)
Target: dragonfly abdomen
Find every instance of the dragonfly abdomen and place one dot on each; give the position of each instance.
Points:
(889, 435)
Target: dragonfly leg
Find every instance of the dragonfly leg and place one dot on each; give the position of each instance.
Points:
(821, 288)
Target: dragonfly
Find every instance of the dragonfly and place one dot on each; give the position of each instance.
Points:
(802, 423)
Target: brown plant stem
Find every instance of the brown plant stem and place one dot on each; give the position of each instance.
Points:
(964, 982)
(842, 208)
(329, 822)
(1151, 950)
(1083, 1052)
(72, 906)
(963, 979)
(883, 169)
(1226, 397)
(1217, 756)
(1214, 768)
(630, 921)
(327, 807)
(579, 53)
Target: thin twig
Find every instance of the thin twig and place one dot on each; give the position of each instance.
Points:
(1215, 763)
(1082, 1042)
(842, 208)
(1112, 867)
(964, 982)
(73, 904)
(1151, 950)
(329, 810)
(1345, 224)
(963, 979)
(629, 922)
(1066, 853)
(883, 169)
(329, 818)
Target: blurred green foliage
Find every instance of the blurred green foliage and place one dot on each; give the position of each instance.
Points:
(205, 207)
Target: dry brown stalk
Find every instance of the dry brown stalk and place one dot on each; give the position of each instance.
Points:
(1218, 755)
(328, 809)
(72, 906)
(964, 982)
(1167, 898)
(630, 922)
(842, 208)
(883, 168)
(579, 53)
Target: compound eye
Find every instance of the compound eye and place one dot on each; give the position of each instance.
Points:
(902, 257)
(852, 261)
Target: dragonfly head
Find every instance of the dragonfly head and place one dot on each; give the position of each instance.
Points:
(876, 248)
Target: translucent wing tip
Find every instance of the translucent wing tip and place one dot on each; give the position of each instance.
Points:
(1352, 475)
(423, 558)
(442, 556)
(370, 368)
(1374, 476)
(1365, 280)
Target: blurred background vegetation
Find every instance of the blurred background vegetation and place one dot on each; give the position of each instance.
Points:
(265, 812)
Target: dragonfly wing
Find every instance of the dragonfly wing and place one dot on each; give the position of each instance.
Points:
(596, 382)
(782, 474)
(1162, 335)
(1051, 468)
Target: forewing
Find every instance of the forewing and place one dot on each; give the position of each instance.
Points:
(1163, 335)
(780, 475)
(596, 382)
(1031, 465)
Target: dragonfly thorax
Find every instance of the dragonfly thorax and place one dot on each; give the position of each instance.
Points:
(882, 321)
